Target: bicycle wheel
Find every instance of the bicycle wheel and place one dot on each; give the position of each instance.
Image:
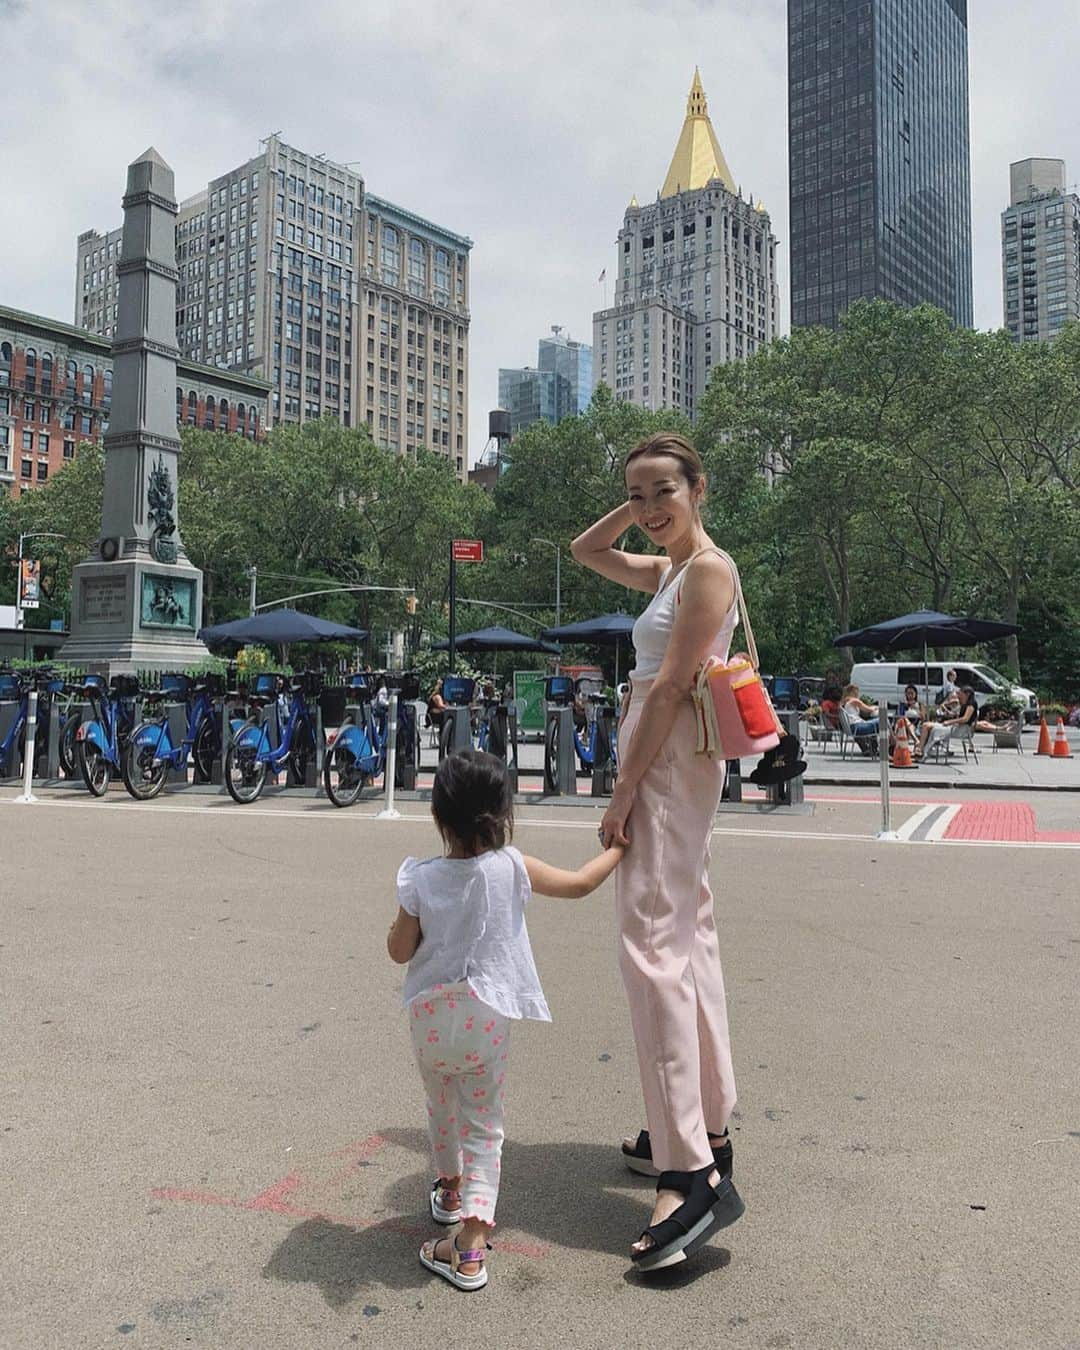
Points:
(142, 777)
(245, 773)
(95, 768)
(551, 756)
(341, 777)
(66, 749)
(302, 751)
(206, 750)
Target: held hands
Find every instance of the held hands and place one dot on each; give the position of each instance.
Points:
(613, 826)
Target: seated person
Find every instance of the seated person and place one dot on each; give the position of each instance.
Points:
(862, 717)
(911, 708)
(436, 707)
(948, 700)
(830, 706)
(933, 733)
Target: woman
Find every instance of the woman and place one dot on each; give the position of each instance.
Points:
(436, 707)
(935, 732)
(911, 708)
(863, 717)
(663, 808)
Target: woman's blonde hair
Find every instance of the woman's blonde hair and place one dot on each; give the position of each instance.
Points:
(678, 447)
(849, 690)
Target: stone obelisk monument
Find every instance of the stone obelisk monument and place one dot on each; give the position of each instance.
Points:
(137, 601)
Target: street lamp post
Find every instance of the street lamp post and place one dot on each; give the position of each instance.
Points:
(20, 621)
(558, 580)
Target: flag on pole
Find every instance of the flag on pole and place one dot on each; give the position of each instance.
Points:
(602, 276)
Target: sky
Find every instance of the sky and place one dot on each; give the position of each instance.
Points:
(526, 128)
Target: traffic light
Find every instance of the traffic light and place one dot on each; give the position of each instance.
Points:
(410, 604)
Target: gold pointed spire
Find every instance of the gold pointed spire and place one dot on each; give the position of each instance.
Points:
(698, 158)
(634, 203)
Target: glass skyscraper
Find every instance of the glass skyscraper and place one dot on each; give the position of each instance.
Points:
(879, 156)
(560, 386)
(571, 362)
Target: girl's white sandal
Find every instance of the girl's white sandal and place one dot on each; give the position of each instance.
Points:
(449, 1270)
(438, 1213)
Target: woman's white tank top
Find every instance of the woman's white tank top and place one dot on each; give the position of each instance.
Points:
(652, 631)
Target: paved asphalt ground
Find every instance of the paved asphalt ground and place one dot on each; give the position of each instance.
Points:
(211, 1129)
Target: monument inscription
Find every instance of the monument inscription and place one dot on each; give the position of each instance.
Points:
(103, 599)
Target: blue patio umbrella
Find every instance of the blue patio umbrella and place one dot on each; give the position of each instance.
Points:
(606, 630)
(496, 639)
(925, 628)
(279, 627)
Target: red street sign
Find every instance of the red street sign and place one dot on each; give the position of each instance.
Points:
(467, 550)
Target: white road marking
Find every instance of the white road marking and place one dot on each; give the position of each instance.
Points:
(325, 813)
(936, 833)
(915, 820)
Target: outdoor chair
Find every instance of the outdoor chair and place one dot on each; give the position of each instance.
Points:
(848, 736)
(962, 736)
(819, 731)
(1007, 737)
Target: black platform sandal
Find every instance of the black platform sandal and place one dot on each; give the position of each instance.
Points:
(705, 1209)
(639, 1158)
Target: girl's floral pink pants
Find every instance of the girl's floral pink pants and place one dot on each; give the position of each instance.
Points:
(461, 1048)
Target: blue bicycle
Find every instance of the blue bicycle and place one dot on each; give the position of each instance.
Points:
(18, 686)
(101, 740)
(599, 743)
(151, 753)
(251, 756)
(356, 752)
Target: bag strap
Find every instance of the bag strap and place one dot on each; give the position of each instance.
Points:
(741, 611)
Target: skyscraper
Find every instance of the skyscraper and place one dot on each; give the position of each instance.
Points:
(571, 363)
(350, 306)
(560, 386)
(695, 278)
(1040, 251)
(879, 156)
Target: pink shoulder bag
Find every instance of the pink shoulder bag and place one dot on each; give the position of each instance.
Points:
(735, 716)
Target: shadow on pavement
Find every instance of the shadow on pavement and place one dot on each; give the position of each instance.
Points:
(569, 1195)
(703, 1262)
(555, 1193)
(343, 1260)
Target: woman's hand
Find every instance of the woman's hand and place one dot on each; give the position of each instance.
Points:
(613, 826)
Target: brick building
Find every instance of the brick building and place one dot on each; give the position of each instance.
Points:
(56, 390)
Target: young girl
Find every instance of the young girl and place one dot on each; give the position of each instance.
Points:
(461, 927)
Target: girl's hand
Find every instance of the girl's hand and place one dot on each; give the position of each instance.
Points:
(613, 826)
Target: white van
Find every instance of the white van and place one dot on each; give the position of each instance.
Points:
(887, 680)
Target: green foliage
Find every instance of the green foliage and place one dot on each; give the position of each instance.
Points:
(1003, 705)
(431, 666)
(896, 464)
(915, 466)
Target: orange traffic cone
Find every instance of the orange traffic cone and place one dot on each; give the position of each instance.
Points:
(1061, 743)
(1044, 747)
(901, 756)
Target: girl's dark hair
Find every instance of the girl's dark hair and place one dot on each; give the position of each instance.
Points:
(472, 802)
(670, 443)
(913, 689)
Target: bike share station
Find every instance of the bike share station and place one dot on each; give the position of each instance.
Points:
(597, 753)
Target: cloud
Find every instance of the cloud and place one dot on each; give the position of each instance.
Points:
(526, 129)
